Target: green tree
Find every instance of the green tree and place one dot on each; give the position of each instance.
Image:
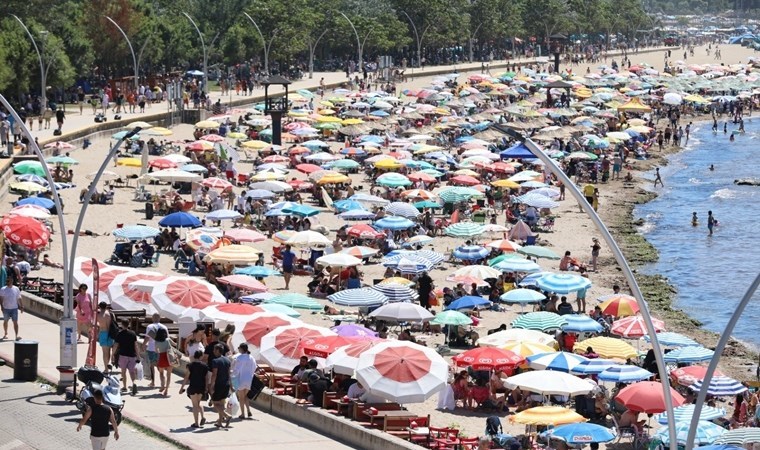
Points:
(544, 18)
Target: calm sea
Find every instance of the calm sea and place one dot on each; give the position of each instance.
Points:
(710, 273)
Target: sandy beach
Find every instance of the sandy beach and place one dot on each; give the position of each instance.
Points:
(573, 232)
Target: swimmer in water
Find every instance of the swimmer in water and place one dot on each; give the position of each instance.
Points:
(725, 127)
(712, 167)
(710, 222)
(732, 138)
(694, 220)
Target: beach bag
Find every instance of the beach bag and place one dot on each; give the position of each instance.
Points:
(493, 425)
(233, 405)
(256, 387)
(174, 357)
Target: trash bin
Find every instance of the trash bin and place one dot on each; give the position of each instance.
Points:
(25, 360)
(149, 211)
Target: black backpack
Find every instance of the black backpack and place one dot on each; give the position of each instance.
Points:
(161, 335)
(493, 426)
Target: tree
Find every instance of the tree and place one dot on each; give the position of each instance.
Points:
(547, 17)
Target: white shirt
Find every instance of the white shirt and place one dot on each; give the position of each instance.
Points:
(11, 296)
(151, 330)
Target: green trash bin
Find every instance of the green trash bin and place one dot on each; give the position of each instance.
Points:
(25, 360)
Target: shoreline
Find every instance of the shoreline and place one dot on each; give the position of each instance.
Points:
(738, 359)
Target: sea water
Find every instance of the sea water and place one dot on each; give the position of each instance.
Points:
(711, 273)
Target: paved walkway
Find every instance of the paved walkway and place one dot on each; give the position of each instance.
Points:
(170, 416)
(34, 417)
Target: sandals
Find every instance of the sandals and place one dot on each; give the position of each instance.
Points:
(195, 425)
(227, 422)
(203, 421)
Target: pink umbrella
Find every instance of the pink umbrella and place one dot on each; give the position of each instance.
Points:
(244, 235)
(212, 138)
(175, 294)
(520, 231)
(322, 347)
(216, 183)
(345, 359)
(162, 163)
(634, 327)
(276, 159)
(281, 347)
(464, 180)
(244, 282)
(255, 327)
(124, 296)
(60, 145)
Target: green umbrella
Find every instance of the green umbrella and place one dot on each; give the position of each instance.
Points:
(464, 229)
(299, 301)
(327, 125)
(65, 160)
(29, 168)
(493, 261)
(538, 252)
(393, 180)
(432, 172)
(282, 309)
(427, 204)
(540, 321)
(345, 164)
(451, 318)
(458, 194)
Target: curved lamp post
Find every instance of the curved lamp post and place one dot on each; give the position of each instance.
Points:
(359, 42)
(619, 257)
(132, 50)
(418, 38)
(205, 52)
(267, 45)
(43, 69)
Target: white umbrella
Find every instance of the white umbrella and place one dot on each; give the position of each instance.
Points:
(345, 359)
(550, 382)
(223, 214)
(402, 312)
(500, 338)
(309, 239)
(478, 271)
(105, 176)
(174, 295)
(125, 296)
(671, 98)
(339, 260)
(33, 211)
(174, 176)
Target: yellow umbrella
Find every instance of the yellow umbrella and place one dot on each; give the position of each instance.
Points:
(233, 254)
(467, 172)
(505, 184)
(268, 176)
(696, 99)
(547, 415)
(158, 131)
(236, 135)
(27, 186)
(326, 112)
(527, 348)
(129, 162)
(388, 164)
(352, 121)
(328, 119)
(207, 124)
(139, 124)
(326, 103)
(258, 145)
(397, 280)
(334, 179)
(606, 347)
(634, 105)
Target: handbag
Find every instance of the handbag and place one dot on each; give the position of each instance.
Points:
(174, 357)
(113, 328)
(256, 387)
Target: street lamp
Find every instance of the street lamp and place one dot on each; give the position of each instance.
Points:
(276, 107)
(43, 68)
(359, 42)
(132, 50)
(267, 45)
(619, 258)
(205, 53)
(418, 38)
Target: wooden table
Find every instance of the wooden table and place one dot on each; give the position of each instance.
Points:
(343, 408)
(382, 416)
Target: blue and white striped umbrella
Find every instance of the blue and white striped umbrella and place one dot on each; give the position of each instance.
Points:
(402, 209)
(434, 257)
(223, 214)
(522, 296)
(136, 232)
(357, 214)
(688, 355)
(464, 229)
(358, 297)
(593, 366)
(578, 323)
(408, 260)
(624, 374)
(517, 265)
(563, 283)
(471, 252)
(707, 433)
(394, 223)
(720, 387)
(684, 413)
(740, 436)
(559, 361)
(541, 321)
(673, 339)
(532, 279)
(396, 292)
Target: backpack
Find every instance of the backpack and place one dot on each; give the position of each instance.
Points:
(493, 425)
(161, 335)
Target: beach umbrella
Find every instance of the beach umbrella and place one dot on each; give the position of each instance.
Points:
(408, 263)
(538, 252)
(488, 358)
(394, 223)
(624, 374)
(471, 252)
(300, 210)
(673, 339)
(522, 296)
(559, 361)
(194, 168)
(309, 239)
(685, 413)
(517, 266)
(469, 302)
(295, 300)
(124, 295)
(364, 231)
(324, 346)
(464, 229)
(353, 330)
(27, 187)
(518, 335)
(402, 312)
(42, 181)
(520, 231)
(250, 329)
(541, 321)
(458, 194)
(360, 251)
(62, 160)
(683, 355)
(504, 245)
(136, 232)
(370, 199)
(358, 297)
(647, 397)
(160, 163)
(216, 183)
(175, 294)
(281, 347)
(593, 366)
(453, 318)
(243, 282)
(397, 280)
(29, 167)
(620, 306)
(686, 376)
(357, 214)
(244, 235)
(550, 382)
(276, 308)
(201, 240)
(82, 270)
(392, 180)
(478, 271)
(402, 209)
(223, 214)
(582, 433)
(527, 348)
(563, 283)
(707, 432)
(25, 231)
(275, 186)
(260, 194)
(634, 326)
(537, 201)
(235, 254)
(720, 386)
(180, 220)
(546, 415)
(348, 205)
(579, 323)
(606, 347)
(174, 176)
(740, 436)
(35, 212)
(345, 359)
(338, 260)
(402, 371)
(396, 292)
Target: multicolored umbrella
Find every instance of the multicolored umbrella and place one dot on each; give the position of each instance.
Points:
(281, 347)
(201, 240)
(582, 433)
(547, 415)
(563, 283)
(125, 296)
(540, 320)
(526, 348)
(243, 282)
(720, 386)
(514, 336)
(517, 265)
(396, 292)
(685, 413)
(593, 366)
(634, 327)
(624, 374)
(685, 355)
(345, 359)
(620, 306)
(686, 376)
(559, 361)
(707, 432)
(175, 294)
(471, 252)
(606, 347)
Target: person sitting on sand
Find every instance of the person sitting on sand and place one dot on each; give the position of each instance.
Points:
(568, 263)
(461, 389)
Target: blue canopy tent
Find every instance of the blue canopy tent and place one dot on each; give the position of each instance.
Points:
(517, 151)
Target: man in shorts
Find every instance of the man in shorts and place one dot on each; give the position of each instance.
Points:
(11, 305)
(151, 352)
(127, 349)
(105, 318)
(219, 385)
(288, 258)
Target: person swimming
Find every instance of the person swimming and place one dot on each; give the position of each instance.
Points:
(712, 167)
(732, 138)
(694, 220)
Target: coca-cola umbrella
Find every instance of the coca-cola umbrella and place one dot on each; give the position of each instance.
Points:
(281, 347)
(230, 312)
(402, 371)
(322, 347)
(25, 231)
(256, 327)
(175, 294)
(488, 358)
(345, 359)
(125, 296)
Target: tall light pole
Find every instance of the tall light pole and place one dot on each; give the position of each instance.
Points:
(267, 45)
(132, 50)
(472, 38)
(359, 42)
(205, 53)
(417, 37)
(622, 262)
(43, 67)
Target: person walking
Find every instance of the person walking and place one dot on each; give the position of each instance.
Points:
(424, 288)
(106, 341)
(84, 313)
(219, 385)
(195, 376)
(288, 259)
(151, 332)
(59, 117)
(595, 248)
(101, 417)
(127, 348)
(710, 222)
(11, 305)
(163, 347)
(658, 178)
(243, 370)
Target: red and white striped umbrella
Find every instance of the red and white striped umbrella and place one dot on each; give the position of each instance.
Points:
(230, 312)
(174, 295)
(402, 371)
(281, 348)
(634, 327)
(322, 347)
(244, 235)
(25, 231)
(258, 326)
(216, 183)
(125, 296)
(345, 359)
(82, 270)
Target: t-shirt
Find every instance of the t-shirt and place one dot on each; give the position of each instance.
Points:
(588, 190)
(100, 420)
(222, 366)
(10, 296)
(151, 331)
(209, 351)
(198, 372)
(287, 258)
(126, 340)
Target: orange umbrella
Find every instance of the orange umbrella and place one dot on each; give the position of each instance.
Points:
(647, 397)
